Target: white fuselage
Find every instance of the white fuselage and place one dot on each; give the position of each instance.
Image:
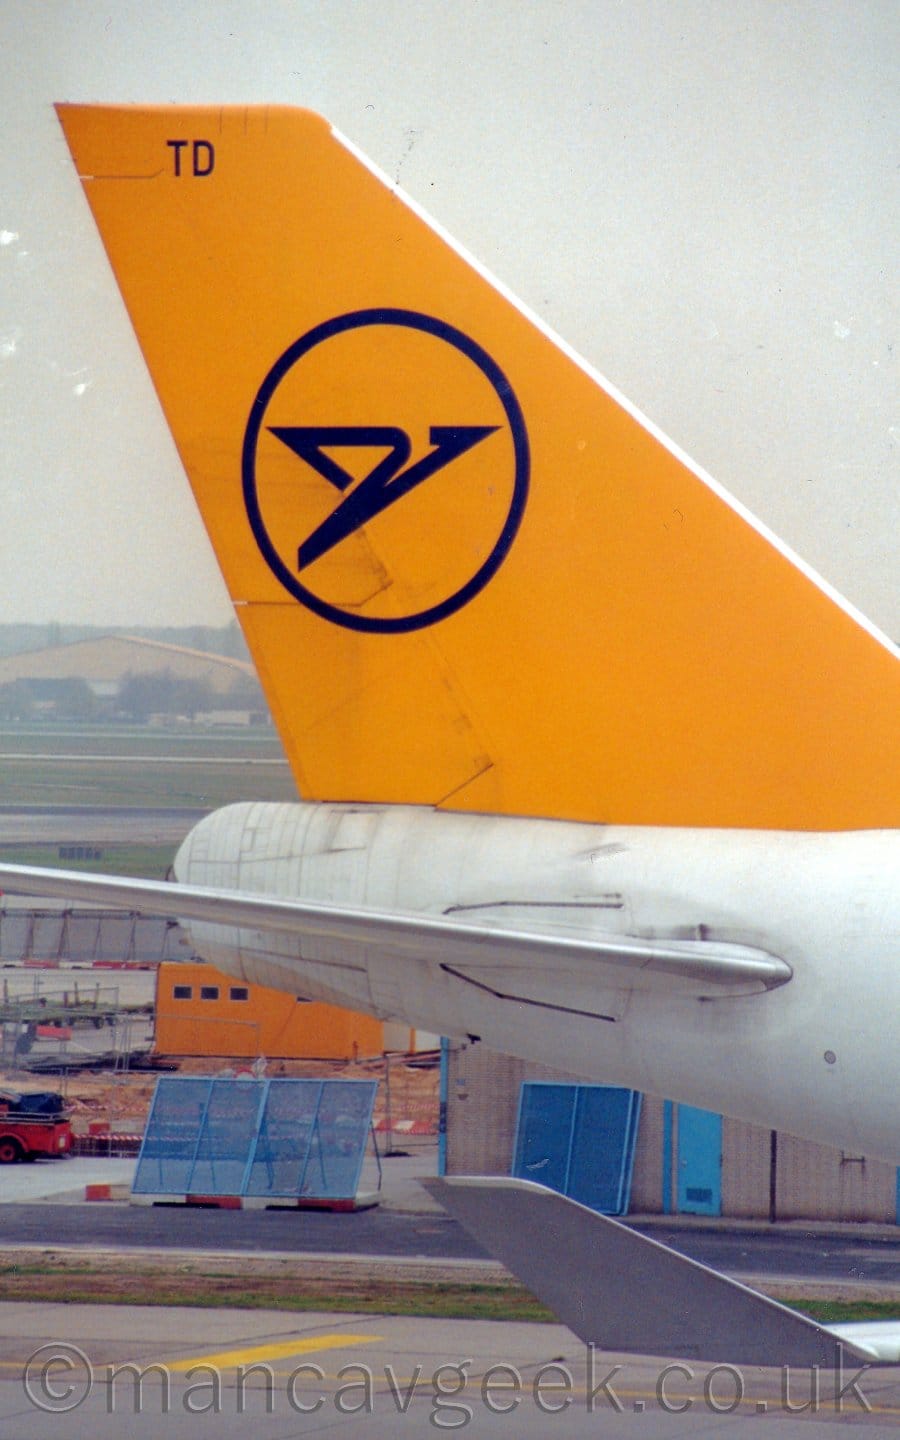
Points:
(817, 1056)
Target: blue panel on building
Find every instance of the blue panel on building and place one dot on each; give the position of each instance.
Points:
(263, 1138)
(544, 1134)
(579, 1140)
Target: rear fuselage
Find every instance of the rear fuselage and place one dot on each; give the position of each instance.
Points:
(817, 1056)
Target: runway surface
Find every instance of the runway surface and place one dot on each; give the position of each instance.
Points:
(848, 1258)
(82, 1372)
(96, 824)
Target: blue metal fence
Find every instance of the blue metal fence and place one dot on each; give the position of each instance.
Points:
(265, 1138)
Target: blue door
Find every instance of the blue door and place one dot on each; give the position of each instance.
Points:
(699, 1162)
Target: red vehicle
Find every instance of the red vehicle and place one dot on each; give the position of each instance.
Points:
(33, 1125)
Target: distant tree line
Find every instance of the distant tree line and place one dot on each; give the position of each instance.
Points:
(139, 697)
(69, 697)
(16, 701)
(163, 693)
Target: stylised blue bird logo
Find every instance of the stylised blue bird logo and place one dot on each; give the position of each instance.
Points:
(391, 479)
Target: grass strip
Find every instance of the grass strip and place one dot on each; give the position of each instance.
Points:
(439, 1300)
(144, 862)
(84, 1284)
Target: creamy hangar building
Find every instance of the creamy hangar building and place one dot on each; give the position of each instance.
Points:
(105, 662)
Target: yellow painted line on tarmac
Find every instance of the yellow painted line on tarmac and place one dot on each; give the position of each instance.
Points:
(254, 1354)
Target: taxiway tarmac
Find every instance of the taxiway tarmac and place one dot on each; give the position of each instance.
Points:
(43, 1205)
(82, 1372)
(96, 824)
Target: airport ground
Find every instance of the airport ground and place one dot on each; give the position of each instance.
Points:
(85, 1371)
(348, 1371)
(45, 767)
(404, 1254)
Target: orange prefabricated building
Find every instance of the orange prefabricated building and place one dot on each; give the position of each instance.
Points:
(200, 1011)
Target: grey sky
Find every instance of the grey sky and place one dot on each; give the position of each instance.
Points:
(699, 196)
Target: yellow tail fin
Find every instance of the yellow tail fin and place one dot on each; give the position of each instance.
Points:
(469, 572)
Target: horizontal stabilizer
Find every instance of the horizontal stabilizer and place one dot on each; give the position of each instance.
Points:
(625, 1292)
(513, 964)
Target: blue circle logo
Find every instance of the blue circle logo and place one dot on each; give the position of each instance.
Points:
(385, 470)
